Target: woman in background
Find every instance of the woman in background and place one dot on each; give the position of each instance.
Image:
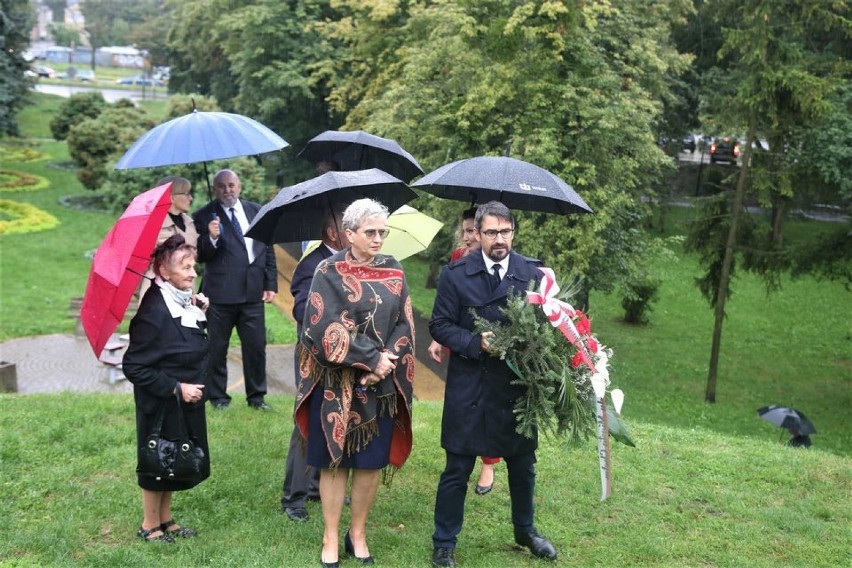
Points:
(177, 222)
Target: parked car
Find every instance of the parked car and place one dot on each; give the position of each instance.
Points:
(74, 74)
(139, 80)
(724, 149)
(44, 71)
(688, 143)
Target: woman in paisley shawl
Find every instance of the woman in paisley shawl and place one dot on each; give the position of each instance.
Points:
(356, 375)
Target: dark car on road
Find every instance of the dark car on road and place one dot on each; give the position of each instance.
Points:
(724, 149)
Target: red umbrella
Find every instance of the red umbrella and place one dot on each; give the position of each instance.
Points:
(119, 264)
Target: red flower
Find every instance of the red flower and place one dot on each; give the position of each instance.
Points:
(577, 360)
(592, 345)
(582, 324)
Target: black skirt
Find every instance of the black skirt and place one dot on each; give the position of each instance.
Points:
(196, 426)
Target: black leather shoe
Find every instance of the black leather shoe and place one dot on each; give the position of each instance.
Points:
(329, 564)
(350, 550)
(443, 557)
(298, 514)
(537, 544)
(259, 405)
(220, 404)
(483, 489)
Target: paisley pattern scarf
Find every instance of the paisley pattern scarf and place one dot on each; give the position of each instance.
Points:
(356, 310)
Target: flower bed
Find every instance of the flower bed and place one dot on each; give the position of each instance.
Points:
(26, 218)
(13, 180)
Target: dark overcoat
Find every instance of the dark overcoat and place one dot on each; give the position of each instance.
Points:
(228, 276)
(162, 352)
(478, 400)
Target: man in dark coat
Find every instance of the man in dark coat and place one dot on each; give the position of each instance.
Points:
(301, 481)
(479, 398)
(239, 276)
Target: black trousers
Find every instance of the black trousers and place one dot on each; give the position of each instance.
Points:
(452, 490)
(301, 481)
(249, 319)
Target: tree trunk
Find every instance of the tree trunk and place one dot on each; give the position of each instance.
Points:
(727, 263)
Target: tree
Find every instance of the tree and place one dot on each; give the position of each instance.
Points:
(109, 22)
(16, 18)
(575, 88)
(778, 68)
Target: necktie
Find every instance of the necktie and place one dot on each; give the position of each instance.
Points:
(495, 277)
(236, 223)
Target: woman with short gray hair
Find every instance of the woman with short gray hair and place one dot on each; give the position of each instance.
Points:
(356, 375)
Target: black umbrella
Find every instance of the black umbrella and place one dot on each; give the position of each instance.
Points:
(787, 418)
(359, 150)
(298, 211)
(517, 184)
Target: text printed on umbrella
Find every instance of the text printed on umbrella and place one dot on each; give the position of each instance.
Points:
(528, 187)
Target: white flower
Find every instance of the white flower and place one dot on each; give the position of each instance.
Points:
(617, 396)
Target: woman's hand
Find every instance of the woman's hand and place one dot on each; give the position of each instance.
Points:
(486, 341)
(201, 301)
(190, 393)
(370, 379)
(435, 350)
(386, 364)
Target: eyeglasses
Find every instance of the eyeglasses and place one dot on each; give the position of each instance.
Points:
(371, 233)
(492, 233)
(186, 194)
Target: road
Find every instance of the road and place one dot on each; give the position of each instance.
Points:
(110, 95)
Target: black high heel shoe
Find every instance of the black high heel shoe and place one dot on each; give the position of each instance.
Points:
(329, 564)
(350, 550)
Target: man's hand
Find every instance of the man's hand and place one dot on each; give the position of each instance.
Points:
(190, 393)
(213, 227)
(268, 296)
(486, 341)
(435, 350)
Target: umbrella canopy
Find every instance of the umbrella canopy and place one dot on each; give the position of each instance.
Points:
(200, 137)
(787, 418)
(410, 232)
(359, 150)
(298, 211)
(515, 183)
(119, 263)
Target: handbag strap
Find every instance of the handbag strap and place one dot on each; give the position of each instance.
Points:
(181, 420)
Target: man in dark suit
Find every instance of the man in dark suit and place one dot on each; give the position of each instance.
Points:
(301, 481)
(239, 277)
(479, 397)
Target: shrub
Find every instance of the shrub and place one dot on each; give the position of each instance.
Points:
(96, 143)
(77, 108)
(638, 296)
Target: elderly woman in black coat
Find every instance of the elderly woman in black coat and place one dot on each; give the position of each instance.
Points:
(166, 359)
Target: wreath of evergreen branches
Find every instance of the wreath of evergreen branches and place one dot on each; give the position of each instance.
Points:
(559, 398)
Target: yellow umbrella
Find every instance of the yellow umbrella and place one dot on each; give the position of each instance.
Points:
(410, 232)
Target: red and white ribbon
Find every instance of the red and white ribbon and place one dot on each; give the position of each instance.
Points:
(559, 313)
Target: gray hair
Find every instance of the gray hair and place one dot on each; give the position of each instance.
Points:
(495, 209)
(361, 210)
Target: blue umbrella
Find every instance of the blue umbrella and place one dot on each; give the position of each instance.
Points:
(200, 137)
(515, 183)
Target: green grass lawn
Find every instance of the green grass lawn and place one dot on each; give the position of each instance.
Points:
(686, 496)
(707, 485)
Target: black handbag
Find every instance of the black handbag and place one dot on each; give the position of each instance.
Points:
(179, 460)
